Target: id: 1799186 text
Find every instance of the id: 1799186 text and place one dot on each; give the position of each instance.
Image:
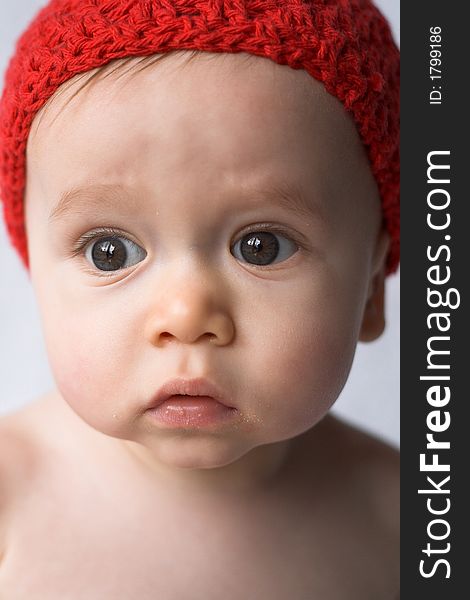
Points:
(435, 63)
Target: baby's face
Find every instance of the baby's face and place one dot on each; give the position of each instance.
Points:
(244, 225)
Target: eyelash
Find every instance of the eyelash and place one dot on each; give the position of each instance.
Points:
(83, 241)
(79, 246)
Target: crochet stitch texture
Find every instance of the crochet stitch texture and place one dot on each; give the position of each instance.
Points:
(346, 44)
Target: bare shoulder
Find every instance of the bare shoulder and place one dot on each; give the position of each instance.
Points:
(22, 439)
(352, 482)
(362, 476)
(18, 460)
(374, 470)
(361, 469)
(16, 447)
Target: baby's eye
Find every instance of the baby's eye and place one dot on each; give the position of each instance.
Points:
(264, 248)
(113, 253)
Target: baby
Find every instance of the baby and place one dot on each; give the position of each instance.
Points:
(205, 194)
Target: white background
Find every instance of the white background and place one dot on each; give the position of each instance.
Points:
(370, 398)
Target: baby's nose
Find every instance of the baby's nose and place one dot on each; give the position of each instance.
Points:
(190, 311)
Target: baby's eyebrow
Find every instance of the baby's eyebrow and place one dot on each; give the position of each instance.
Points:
(79, 198)
(283, 194)
(290, 197)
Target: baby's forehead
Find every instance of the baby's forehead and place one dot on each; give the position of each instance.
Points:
(237, 83)
(218, 117)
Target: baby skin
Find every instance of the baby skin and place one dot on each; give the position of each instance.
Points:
(211, 221)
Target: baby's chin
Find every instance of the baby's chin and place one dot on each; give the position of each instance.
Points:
(218, 462)
(197, 452)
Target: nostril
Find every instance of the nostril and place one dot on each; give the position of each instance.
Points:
(165, 336)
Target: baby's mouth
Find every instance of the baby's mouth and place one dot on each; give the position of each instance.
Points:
(190, 403)
(188, 388)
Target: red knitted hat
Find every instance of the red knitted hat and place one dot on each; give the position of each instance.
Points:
(346, 44)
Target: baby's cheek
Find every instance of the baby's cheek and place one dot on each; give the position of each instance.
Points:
(83, 362)
(313, 365)
(75, 370)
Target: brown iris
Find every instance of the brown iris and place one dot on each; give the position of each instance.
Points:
(259, 248)
(109, 254)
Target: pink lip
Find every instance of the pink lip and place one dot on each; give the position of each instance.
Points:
(187, 387)
(190, 403)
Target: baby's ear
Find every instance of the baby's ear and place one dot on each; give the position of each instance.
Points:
(373, 320)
